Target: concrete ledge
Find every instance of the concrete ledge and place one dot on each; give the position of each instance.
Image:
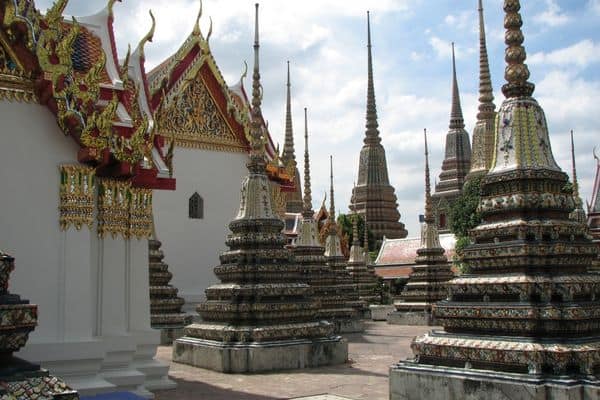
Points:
(256, 357)
(410, 381)
(410, 318)
(381, 312)
(349, 326)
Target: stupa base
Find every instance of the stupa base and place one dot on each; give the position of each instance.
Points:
(412, 381)
(260, 356)
(422, 318)
(349, 325)
(169, 335)
(380, 312)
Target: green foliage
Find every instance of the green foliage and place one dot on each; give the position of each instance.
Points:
(463, 212)
(345, 222)
(461, 243)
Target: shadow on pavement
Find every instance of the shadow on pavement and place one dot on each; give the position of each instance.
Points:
(194, 390)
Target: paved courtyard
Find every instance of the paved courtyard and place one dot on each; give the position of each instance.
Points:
(365, 376)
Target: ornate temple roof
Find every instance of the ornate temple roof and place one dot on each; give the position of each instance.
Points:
(373, 195)
(457, 156)
(404, 251)
(102, 105)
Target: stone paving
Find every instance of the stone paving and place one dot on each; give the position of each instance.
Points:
(364, 377)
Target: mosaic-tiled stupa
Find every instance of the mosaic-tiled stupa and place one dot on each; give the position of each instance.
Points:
(262, 315)
(310, 254)
(578, 214)
(365, 279)
(373, 195)
(482, 150)
(427, 281)
(20, 379)
(525, 322)
(337, 262)
(165, 305)
(593, 211)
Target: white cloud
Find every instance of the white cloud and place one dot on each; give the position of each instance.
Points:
(581, 54)
(462, 20)
(553, 15)
(594, 5)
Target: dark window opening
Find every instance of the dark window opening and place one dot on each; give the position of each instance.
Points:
(442, 221)
(196, 207)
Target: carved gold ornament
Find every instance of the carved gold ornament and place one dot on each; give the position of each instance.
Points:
(76, 196)
(140, 213)
(113, 208)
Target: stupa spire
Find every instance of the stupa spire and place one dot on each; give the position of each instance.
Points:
(288, 146)
(456, 116)
(429, 216)
(256, 136)
(516, 72)
(372, 133)
(486, 91)
(307, 209)
(574, 168)
(331, 200)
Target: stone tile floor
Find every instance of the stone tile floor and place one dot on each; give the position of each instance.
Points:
(364, 377)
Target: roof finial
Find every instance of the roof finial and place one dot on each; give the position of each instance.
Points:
(196, 31)
(110, 5)
(575, 183)
(516, 72)
(331, 200)
(245, 73)
(148, 37)
(307, 211)
(372, 133)
(256, 120)
(429, 217)
(486, 91)
(288, 145)
(456, 116)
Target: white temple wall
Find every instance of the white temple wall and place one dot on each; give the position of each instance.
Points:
(192, 246)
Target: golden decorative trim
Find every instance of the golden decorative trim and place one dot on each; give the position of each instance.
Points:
(76, 196)
(277, 200)
(140, 213)
(194, 144)
(113, 208)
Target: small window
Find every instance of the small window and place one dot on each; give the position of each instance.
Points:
(442, 221)
(196, 207)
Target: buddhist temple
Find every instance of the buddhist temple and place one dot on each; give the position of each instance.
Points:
(427, 281)
(483, 133)
(373, 195)
(309, 254)
(165, 305)
(20, 379)
(78, 126)
(524, 322)
(457, 160)
(206, 124)
(293, 198)
(262, 309)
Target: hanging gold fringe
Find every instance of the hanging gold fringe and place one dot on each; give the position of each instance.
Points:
(113, 208)
(140, 213)
(76, 196)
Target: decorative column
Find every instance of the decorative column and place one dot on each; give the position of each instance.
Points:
(427, 281)
(525, 322)
(261, 316)
(20, 379)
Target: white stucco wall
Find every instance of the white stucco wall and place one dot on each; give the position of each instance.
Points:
(192, 246)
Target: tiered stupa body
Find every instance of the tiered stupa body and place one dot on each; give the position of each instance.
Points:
(293, 199)
(593, 217)
(373, 195)
(358, 269)
(427, 281)
(19, 379)
(165, 305)
(457, 160)
(525, 323)
(262, 309)
(483, 133)
(309, 253)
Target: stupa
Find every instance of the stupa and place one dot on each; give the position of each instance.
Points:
(165, 305)
(373, 195)
(293, 199)
(359, 271)
(525, 322)
(309, 253)
(483, 133)
(578, 213)
(261, 316)
(457, 160)
(337, 262)
(20, 379)
(427, 281)
(593, 211)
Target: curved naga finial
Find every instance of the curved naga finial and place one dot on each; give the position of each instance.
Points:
(148, 37)
(54, 13)
(245, 73)
(208, 35)
(125, 67)
(110, 5)
(196, 30)
(595, 155)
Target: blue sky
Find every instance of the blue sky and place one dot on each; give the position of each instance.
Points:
(325, 42)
